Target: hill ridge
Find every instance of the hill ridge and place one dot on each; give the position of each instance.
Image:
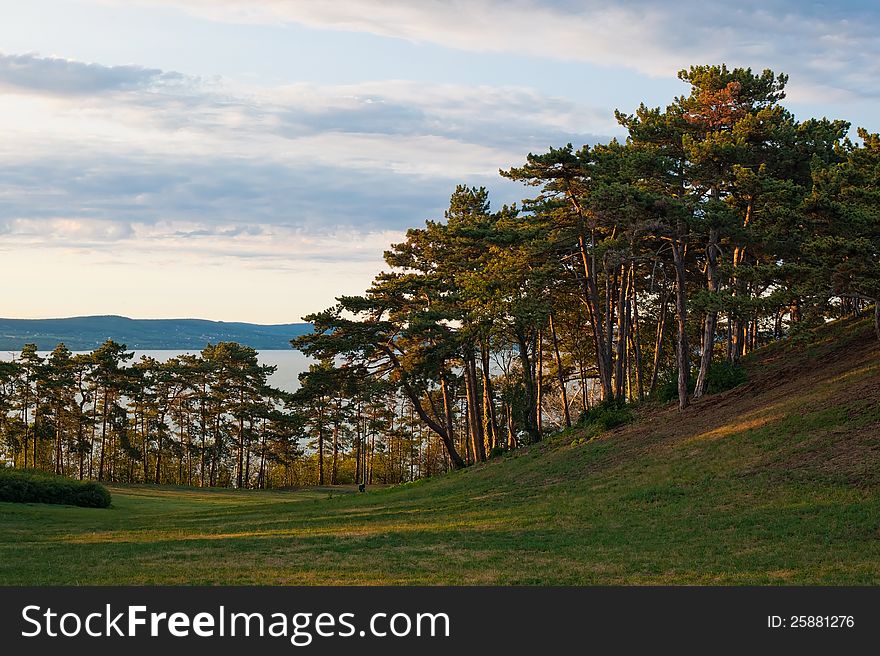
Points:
(82, 333)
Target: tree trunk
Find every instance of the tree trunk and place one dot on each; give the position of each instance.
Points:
(263, 483)
(80, 439)
(539, 385)
(528, 382)
(511, 432)
(681, 321)
(739, 339)
(36, 428)
(583, 373)
(218, 444)
(444, 431)
(591, 299)
(447, 436)
(712, 253)
(877, 316)
(357, 443)
(475, 425)
(634, 335)
(27, 388)
(103, 436)
(622, 329)
(560, 374)
(465, 431)
(490, 420)
(203, 432)
(142, 421)
(334, 467)
(94, 433)
(610, 287)
(247, 456)
(59, 465)
(372, 451)
(321, 445)
(159, 430)
(736, 346)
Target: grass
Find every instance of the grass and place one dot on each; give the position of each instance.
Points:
(777, 481)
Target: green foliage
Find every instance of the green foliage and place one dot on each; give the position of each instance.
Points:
(667, 387)
(607, 415)
(602, 417)
(722, 376)
(30, 486)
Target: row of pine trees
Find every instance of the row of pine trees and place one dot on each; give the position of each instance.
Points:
(208, 419)
(642, 269)
(639, 268)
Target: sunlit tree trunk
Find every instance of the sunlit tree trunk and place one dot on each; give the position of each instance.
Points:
(636, 348)
(712, 253)
(682, 355)
(490, 420)
(560, 374)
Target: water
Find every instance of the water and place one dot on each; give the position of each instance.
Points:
(289, 363)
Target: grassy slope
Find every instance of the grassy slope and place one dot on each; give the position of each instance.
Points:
(774, 482)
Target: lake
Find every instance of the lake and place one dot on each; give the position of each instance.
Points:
(290, 363)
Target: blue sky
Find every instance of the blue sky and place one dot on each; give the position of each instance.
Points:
(249, 160)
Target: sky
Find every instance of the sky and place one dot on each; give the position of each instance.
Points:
(250, 160)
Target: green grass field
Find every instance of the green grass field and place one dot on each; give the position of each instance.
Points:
(773, 482)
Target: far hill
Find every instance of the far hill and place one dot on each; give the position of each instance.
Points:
(776, 481)
(87, 333)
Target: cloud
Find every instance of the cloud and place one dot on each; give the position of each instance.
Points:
(229, 161)
(824, 46)
(130, 179)
(162, 173)
(63, 76)
(503, 117)
(111, 188)
(203, 111)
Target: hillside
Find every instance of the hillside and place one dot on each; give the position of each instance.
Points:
(777, 481)
(86, 333)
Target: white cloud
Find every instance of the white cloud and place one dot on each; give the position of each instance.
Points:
(831, 45)
(55, 75)
(206, 198)
(378, 155)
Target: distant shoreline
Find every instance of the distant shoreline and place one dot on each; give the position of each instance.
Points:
(88, 332)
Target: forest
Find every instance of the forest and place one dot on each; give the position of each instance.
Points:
(638, 271)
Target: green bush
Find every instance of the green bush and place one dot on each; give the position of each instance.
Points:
(607, 415)
(667, 387)
(722, 376)
(30, 486)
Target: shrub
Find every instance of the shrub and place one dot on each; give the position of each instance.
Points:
(29, 486)
(607, 415)
(667, 386)
(722, 376)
